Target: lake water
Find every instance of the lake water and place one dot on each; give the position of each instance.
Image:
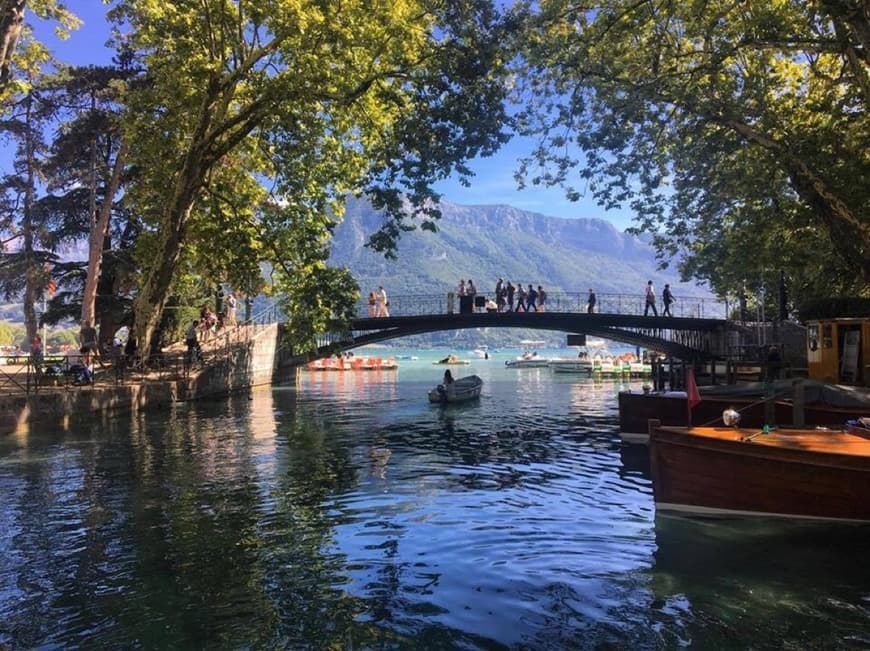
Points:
(345, 512)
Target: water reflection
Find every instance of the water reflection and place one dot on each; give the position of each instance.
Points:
(762, 580)
(350, 513)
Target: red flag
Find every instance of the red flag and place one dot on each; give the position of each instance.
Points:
(694, 396)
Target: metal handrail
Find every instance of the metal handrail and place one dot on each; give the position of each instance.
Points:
(573, 302)
(19, 373)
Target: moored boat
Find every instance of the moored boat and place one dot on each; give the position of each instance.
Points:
(800, 473)
(352, 364)
(859, 427)
(581, 365)
(528, 360)
(822, 405)
(462, 390)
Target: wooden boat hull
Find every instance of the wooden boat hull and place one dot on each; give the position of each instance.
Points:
(464, 390)
(636, 409)
(820, 474)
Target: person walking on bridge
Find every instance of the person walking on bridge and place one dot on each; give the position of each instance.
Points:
(531, 297)
(650, 300)
(381, 302)
(667, 299)
(521, 298)
(542, 299)
(590, 302)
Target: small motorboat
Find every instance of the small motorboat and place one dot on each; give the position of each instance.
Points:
(481, 353)
(528, 360)
(452, 360)
(461, 390)
(571, 365)
(529, 357)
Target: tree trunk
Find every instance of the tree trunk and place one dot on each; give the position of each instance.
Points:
(99, 228)
(149, 303)
(32, 274)
(11, 22)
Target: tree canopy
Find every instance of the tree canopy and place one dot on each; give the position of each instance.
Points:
(228, 135)
(252, 122)
(736, 131)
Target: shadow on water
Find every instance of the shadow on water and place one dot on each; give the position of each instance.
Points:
(776, 583)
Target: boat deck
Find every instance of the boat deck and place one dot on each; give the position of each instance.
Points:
(808, 440)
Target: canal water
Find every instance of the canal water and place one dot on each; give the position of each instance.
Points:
(346, 512)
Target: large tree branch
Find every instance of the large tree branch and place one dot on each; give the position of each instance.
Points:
(811, 187)
(11, 22)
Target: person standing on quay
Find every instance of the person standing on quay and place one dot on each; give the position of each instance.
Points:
(36, 356)
(590, 302)
(667, 299)
(650, 300)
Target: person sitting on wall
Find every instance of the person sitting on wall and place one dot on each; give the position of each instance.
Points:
(82, 372)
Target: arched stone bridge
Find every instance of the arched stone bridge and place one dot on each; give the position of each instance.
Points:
(698, 331)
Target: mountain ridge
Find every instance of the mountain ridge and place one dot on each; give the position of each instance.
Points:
(491, 241)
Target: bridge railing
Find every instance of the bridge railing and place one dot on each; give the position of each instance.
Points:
(683, 306)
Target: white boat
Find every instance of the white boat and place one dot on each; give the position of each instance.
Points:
(530, 357)
(461, 390)
(582, 365)
(482, 352)
(528, 360)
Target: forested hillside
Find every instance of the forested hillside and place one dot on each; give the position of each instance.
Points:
(488, 242)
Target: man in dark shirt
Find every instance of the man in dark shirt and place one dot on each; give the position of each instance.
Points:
(667, 299)
(531, 297)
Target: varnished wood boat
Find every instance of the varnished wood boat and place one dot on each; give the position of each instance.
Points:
(803, 473)
(825, 405)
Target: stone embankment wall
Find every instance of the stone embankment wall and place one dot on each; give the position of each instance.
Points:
(65, 408)
(237, 368)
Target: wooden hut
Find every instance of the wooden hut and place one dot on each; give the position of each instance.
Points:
(838, 350)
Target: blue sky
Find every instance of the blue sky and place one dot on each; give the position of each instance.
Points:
(493, 182)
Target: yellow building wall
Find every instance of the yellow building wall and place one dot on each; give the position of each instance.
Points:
(823, 349)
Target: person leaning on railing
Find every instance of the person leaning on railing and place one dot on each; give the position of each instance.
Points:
(36, 355)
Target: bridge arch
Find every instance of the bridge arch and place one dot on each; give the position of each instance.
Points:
(696, 339)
